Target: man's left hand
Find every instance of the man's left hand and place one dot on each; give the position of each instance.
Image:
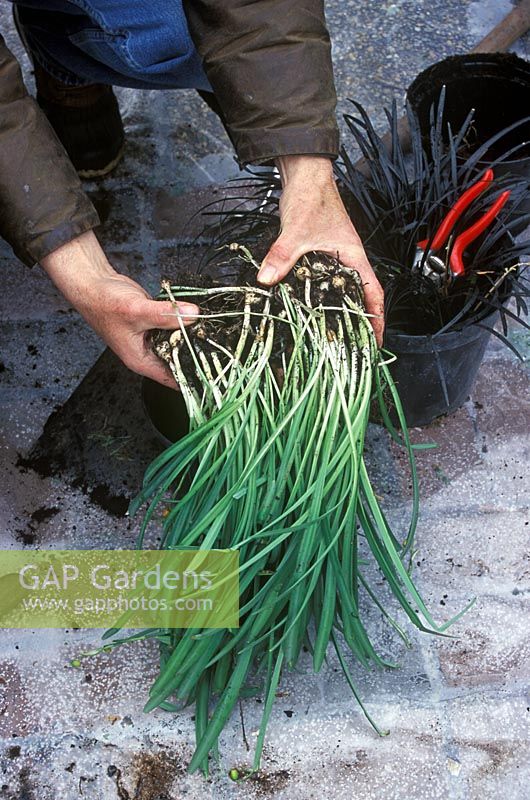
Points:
(313, 217)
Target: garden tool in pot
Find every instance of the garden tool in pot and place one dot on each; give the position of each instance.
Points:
(441, 258)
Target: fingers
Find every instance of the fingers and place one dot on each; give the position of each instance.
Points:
(286, 251)
(374, 297)
(164, 314)
(159, 373)
(280, 259)
(141, 360)
(375, 305)
(144, 315)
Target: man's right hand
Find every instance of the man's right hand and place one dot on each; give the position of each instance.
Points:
(116, 307)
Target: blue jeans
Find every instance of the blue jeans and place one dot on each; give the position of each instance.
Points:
(143, 44)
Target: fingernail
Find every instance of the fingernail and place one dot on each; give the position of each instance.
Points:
(187, 309)
(267, 275)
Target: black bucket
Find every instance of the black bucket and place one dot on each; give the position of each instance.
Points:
(166, 410)
(497, 86)
(435, 374)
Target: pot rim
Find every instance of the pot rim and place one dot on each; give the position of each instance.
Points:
(469, 330)
(521, 76)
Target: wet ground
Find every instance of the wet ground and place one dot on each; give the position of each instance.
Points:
(457, 709)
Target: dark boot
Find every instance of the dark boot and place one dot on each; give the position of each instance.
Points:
(85, 118)
(87, 121)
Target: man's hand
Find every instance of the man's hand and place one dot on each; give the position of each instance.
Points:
(116, 307)
(313, 217)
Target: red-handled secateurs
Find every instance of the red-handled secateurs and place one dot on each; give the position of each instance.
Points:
(450, 263)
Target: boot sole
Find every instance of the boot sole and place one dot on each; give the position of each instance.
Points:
(88, 174)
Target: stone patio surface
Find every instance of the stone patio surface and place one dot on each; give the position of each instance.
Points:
(457, 709)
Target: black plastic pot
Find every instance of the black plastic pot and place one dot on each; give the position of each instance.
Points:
(435, 374)
(166, 410)
(497, 86)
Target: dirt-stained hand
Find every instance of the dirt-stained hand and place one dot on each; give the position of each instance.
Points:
(313, 217)
(116, 307)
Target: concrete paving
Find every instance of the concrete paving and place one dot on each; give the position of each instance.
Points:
(457, 709)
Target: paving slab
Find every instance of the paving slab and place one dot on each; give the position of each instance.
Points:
(484, 766)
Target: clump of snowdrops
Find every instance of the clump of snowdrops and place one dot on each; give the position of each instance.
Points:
(278, 385)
